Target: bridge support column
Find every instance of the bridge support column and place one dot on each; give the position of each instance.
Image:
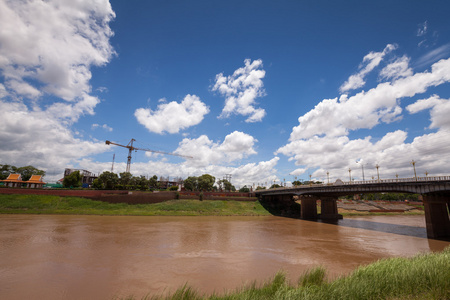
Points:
(329, 210)
(309, 207)
(437, 215)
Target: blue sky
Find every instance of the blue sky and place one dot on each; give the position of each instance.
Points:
(261, 90)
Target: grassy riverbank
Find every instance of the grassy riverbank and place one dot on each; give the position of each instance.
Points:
(426, 276)
(44, 204)
(47, 204)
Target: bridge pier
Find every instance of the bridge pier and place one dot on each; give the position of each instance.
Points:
(329, 209)
(437, 215)
(309, 207)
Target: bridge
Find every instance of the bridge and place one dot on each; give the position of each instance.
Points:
(434, 191)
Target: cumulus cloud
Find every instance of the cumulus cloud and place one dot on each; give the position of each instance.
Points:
(398, 69)
(370, 61)
(46, 51)
(104, 126)
(439, 111)
(236, 145)
(173, 116)
(241, 90)
(47, 48)
(36, 138)
(335, 117)
(321, 141)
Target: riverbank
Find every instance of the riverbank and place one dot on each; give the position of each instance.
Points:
(48, 204)
(44, 204)
(425, 276)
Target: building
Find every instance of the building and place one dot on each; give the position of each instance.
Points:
(15, 180)
(87, 177)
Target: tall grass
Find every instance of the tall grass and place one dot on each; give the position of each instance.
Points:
(425, 276)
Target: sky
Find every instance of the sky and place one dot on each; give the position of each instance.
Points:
(262, 91)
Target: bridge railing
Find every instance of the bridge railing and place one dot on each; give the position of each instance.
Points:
(373, 181)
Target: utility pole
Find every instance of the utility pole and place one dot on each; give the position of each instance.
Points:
(328, 177)
(112, 167)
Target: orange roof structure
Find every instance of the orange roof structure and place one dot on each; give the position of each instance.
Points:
(35, 179)
(13, 178)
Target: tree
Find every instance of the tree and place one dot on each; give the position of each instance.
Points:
(226, 185)
(108, 180)
(191, 183)
(28, 171)
(125, 179)
(274, 186)
(72, 180)
(244, 189)
(5, 170)
(206, 182)
(296, 183)
(260, 188)
(153, 182)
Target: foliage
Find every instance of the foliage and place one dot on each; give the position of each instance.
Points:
(274, 186)
(153, 182)
(226, 185)
(191, 183)
(206, 182)
(173, 188)
(244, 189)
(260, 188)
(107, 180)
(25, 172)
(73, 180)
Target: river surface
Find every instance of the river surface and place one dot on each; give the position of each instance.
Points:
(102, 257)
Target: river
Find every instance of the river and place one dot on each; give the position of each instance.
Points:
(102, 257)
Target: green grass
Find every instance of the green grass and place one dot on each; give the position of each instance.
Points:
(425, 276)
(44, 204)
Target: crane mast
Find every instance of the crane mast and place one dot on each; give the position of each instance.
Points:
(130, 148)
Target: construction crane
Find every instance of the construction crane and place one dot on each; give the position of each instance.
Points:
(130, 148)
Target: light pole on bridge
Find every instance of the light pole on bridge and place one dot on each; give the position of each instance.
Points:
(414, 166)
(378, 173)
(362, 167)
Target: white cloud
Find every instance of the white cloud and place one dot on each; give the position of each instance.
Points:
(241, 90)
(423, 28)
(439, 114)
(104, 126)
(370, 61)
(36, 138)
(236, 145)
(46, 51)
(172, 117)
(366, 109)
(433, 56)
(321, 141)
(398, 69)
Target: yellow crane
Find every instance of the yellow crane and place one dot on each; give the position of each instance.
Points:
(130, 148)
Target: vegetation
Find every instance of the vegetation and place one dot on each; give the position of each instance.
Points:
(425, 276)
(244, 189)
(73, 180)
(44, 204)
(201, 183)
(225, 185)
(25, 172)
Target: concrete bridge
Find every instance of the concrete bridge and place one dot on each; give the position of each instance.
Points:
(435, 193)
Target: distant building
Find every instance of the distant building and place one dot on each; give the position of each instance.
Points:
(87, 177)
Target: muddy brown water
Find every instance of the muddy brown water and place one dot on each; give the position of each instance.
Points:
(100, 257)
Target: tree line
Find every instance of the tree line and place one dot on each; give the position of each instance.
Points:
(25, 172)
(126, 181)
